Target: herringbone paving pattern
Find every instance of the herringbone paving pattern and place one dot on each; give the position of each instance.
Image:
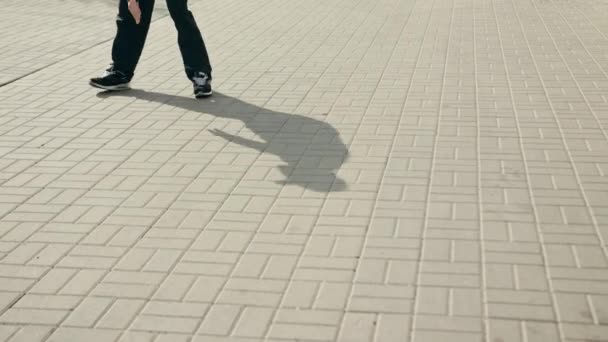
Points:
(388, 170)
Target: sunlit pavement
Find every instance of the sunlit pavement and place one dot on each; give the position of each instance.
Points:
(387, 170)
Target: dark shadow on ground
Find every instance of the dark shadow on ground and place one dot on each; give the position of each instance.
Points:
(312, 150)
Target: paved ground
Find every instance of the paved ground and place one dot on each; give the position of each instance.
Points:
(388, 170)
(35, 37)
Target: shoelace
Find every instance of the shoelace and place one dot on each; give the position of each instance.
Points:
(110, 72)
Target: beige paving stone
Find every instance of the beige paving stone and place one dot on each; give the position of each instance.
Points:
(165, 324)
(7, 331)
(79, 334)
(88, 312)
(34, 316)
(453, 336)
(31, 333)
(358, 327)
(220, 319)
(7, 299)
(310, 332)
(253, 322)
(120, 314)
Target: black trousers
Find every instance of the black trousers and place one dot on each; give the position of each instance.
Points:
(131, 37)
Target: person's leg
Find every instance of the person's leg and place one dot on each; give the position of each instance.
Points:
(191, 44)
(130, 36)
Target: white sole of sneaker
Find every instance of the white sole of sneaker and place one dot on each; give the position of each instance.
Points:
(125, 86)
(201, 95)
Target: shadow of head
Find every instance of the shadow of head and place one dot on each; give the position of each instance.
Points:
(312, 150)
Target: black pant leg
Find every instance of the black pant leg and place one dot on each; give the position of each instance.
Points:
(130, 37)
(189, 38)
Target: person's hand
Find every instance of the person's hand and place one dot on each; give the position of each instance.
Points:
(135, 10)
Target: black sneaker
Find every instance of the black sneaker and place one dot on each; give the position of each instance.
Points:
(202, 85)
(111, 80)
